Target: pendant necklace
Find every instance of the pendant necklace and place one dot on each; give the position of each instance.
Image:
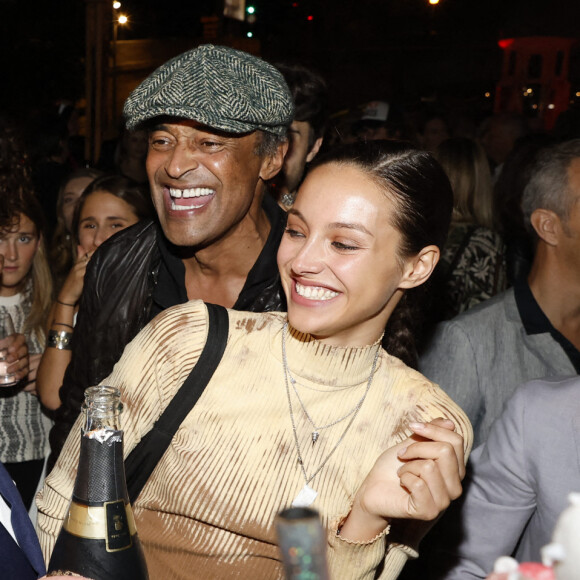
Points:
(307, 495)
(316, 433)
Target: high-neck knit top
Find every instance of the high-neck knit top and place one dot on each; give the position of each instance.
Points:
(208, 509)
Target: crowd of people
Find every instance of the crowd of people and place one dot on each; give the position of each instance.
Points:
(391, 298)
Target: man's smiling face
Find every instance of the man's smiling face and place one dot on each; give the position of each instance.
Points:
(203, 182)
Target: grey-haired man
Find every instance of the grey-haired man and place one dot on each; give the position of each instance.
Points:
(533, 329)
(217, 120)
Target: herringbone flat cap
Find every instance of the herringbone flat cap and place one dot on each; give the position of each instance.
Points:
(220, 87)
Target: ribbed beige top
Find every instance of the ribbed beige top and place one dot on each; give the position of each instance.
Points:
(208, 510)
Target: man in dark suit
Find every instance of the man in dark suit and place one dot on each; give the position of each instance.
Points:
(20, 555)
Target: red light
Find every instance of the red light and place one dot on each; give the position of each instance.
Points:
(294, 4)
(505, 43)
(310, 17)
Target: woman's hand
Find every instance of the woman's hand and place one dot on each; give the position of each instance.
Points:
(72, 288)
(416, 479)
(17, 357)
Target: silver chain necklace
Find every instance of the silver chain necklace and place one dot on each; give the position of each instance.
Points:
(307, 495)
(316, 433)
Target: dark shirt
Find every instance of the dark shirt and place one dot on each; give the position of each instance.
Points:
(22, 560)
(536, 322)
(170, 288)
(133, 276)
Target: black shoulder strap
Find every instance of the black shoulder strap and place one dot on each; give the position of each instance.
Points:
(144, 457)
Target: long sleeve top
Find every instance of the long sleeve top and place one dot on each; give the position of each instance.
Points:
(210, 504)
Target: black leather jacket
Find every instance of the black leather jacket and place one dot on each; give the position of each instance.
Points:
(118, 301)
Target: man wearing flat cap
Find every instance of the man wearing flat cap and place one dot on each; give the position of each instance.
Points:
(217, 121)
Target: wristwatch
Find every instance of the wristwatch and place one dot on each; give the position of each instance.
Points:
(60, 339)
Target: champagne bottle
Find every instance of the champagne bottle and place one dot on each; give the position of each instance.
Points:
(98, 538)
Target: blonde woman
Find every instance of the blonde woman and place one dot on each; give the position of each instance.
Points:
(472, 267)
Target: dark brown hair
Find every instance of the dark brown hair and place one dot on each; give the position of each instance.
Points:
(423, 199)
(131, 192)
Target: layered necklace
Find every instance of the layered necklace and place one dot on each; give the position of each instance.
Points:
(307, 495)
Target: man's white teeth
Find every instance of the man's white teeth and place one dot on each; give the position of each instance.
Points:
(192, 192)
(186, 194)
(315, 292)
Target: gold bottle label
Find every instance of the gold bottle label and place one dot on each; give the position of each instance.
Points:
(113, 522)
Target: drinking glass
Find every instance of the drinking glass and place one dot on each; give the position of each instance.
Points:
(7, 378)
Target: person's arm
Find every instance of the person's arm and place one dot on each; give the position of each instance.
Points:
(399, 541)
(56, 357)
(409, 486)
(54, 361)
(450, 360)
(145, 359)
(499, 500)
(416, 479)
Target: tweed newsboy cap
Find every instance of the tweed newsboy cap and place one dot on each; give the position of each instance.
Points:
(217, 86)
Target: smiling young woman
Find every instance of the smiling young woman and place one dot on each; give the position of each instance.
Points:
(109, 204)
(305, 408)
(342, 283)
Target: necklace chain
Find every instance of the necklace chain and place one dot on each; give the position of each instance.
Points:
(317, 429)
(352, 413)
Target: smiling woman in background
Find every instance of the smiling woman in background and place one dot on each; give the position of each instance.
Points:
(305, 408)
(108, 205)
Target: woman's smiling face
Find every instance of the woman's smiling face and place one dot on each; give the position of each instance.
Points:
(339, 260)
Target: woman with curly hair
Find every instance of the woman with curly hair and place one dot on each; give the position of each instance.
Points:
(26, 295)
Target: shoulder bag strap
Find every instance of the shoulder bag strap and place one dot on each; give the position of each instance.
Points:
(143, 459)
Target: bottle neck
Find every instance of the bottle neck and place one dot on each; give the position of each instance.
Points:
(101, 473)
(102, 409)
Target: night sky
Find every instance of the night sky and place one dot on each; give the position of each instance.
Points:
(401, 49)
